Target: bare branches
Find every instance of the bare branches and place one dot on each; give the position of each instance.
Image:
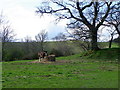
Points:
(6, 33)
(41, 37)
(79, 31)
(42, 11)
(73, 6)
(84, 20)
(60, 37)
(106, 14)
(91, 14)
(87, 6)
(72, 16)
(27, 39)
(114, 17)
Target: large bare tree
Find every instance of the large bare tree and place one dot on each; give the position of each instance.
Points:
(91, 14)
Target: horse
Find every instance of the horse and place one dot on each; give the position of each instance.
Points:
(42, 55)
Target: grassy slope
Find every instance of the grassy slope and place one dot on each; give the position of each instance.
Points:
(78, 73)
(104, 54)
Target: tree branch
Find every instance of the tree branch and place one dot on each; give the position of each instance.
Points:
(105, 16)
(84, 20)
(87, 6)
(96, 12)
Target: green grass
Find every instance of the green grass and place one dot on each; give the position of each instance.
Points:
(115, 45)
(76, 56)
(104, 54)
(73, 72)
(106, 45)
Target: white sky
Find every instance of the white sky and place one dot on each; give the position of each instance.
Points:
(24, 20)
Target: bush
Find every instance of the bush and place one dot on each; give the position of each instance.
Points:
(30, 56)
(14, 54)
(56, 52)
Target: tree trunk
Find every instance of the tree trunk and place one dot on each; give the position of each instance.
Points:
(3, 51)
(110, 42)
(42, 46)
(118, 31)
(94, 45)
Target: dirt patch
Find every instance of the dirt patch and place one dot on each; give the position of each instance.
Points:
(41, 62)
(59, 62)
(24, 63)
(52, 62)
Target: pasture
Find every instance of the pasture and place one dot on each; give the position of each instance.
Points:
(67, 72)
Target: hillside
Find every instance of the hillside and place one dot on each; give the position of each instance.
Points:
(103, 54)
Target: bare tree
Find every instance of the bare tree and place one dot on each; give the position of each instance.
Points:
(112, 32)
(41, 37)
(60, 37)
(6, 33)
(27, 39)
(114, 17)
(91, 14)
(110, 42)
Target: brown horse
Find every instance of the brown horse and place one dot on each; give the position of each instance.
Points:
(42, 55)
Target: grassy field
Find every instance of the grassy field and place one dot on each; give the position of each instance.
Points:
(67, 72)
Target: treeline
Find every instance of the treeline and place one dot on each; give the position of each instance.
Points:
(28, 50)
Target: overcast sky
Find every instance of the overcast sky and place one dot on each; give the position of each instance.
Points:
(24, 20)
